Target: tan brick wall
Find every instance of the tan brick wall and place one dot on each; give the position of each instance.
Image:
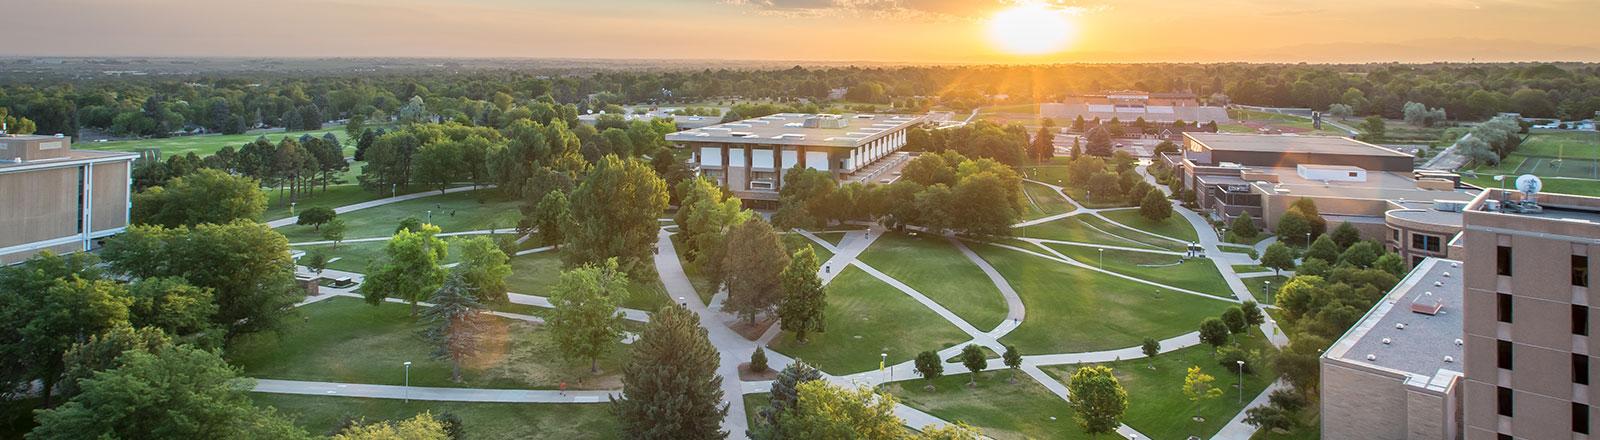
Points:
(1361, 404)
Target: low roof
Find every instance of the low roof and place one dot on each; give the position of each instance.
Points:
(790, 129)
(1399, 334)
(73, 157)
(1291, 143)
(1380, 185)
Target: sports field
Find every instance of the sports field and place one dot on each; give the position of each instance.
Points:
(205, 144)
(1568, 161)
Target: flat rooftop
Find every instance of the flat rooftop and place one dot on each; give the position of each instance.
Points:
(72, 156)
(1553, 206)
(790, 129)
(1380, 185)
(1396, 336)
(1291, 143)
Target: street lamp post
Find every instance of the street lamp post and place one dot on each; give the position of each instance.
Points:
(1308, 240)
(883, 363)
(394, 190)
(408, 381)
(1102, 258)
(1241, 381)
(430, 216)
(291, 208)
(1268, 287)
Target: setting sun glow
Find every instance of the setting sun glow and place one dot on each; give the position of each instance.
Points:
(1030, 29)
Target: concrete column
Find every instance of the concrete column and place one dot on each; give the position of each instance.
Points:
(725, 165)
(88, 203)
(777, 165)
(800, 155)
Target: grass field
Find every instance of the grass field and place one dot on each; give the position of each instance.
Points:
(1239, 249)
(1174, 226)
(865, 317)
(1058, 175)
(1246, 121)
(347, 340)
(1258, 286)
(454, 212)
(1043, 202)
(487, 421)
(1002, 410)
(334, 197)
(353, 257)
(206, 144)
(1195, 274)
(930, 264)
(535, 273)
(1576, 174)
(1156, 404)
(1078, 229)
(1248, 268)
(1088, 311)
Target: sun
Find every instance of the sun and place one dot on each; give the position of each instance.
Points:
(1030, 29)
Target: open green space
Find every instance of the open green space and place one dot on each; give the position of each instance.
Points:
(1576, 174)
(453, 212)
(1238, 249)
(1077, 229)
(1567, 144)
(931, 265)
(1156, 404)
(1058, 175)
(833, 237)
(1174, 226)
(1147, 239)
(793, 242)
(334, 197)
(205, 144)
(1001, 409)
(1248, 268)
(865, 317)
(496, 421)
(347, 340)
(1089, 311)
(1043, 201)
(354, 257)
(1197, 274)
(753, 404)
(1258, 286)
(535, 273)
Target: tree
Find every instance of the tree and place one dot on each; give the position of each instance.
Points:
(411, 268)
(1098, 400)
(1013, 360)
(438, 164)
(1340, 111)
(754, 269)
(929, 366)
(585, 322)
(1243, 227)
(1252, 313)
(175, 392)
(335, 232)
(455, 323)
(826, 411)
(1362, 254)
(804, 297)
(972, 358)
(1043, 147)
(1269, 417)
(1155, 207)
(245, 264)
(1323, 248)
(484, 267)
(105, 351)
(207, 196)
(316, 217)
(1292, 228)
(414, 111)
(1099, 142)
(670, 390)
(785, 391)
(422, 427)
(1151, 347)
(46, 323)
(616, 210)
(170, 304)
(1373, 129)
(553, 217)
(758, 361)
(1197, 387)
(1278, 257)
(1233, 317)
(1213, 331)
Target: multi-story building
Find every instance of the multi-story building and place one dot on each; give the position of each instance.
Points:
(749, 157)
(1131, 105)
(1529, 309)
(59, 199)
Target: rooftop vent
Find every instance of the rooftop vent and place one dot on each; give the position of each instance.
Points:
(1372, 357)
(1449, 359)
(1400, 326)
(1438, 284)
(1387, 341)
(1447, 274)
(1459, 342)
(1424, 308)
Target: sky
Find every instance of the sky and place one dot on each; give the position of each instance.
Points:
(901, 31)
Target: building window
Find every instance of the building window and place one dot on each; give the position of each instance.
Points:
(1505, 437)
(1502, 260)
(1580, 320)
(1580, 369)
(1504, 401)
(1580, 418)
(1394, 234)
(1503, 352)
(1580, 270)
(1425, 242)
(1503, 307)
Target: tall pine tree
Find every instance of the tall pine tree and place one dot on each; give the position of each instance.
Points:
(670, 389)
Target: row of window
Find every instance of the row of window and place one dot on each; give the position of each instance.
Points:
(1579, 265)
(1580, 412)
(1580, 314)
(1504, 359)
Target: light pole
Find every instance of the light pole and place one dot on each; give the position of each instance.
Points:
(1267, 285)
(1241, 381)
(1102, 258)
(430, 216)
(394, 190)
(291, 208)
(408, 382)
(883, 362)
(1308, 239)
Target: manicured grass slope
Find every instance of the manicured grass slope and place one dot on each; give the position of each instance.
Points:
(866, 317)
(1174, 226)
(1043, 202)
(204, 145)
(1072, 309)
(347, 340)
(1195, 274)
(1077, 229)
(931, 265)
(454, 212)
(1002, 410)
(486, 421)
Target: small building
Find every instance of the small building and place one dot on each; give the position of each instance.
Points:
(1397, 374)
(55, 198)
(749, 157)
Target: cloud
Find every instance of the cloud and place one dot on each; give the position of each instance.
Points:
(931, 10)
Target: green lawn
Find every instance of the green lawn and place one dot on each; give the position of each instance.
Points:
(1002, 410)
(1076, 229)
(831, 237)
(454, 212)
(1247, 250)
(206, 144)
(1174, 226)
(354, 257)
(1043, 201)
(930, 264)
(1058, 175)
(535, 273)
(793, 242)
(1544, 146)
(865, 317)
(1248, 268)
(1196, 274)
(1562, 143)
(753, 403)
(1258, 286)
(334, 197)
(347, 340)
(497, 421)
(1156, 404)
(1086, 311)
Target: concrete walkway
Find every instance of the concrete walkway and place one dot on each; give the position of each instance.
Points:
(733, 348)
(1015, 310)
(310, 388)
(379, 202)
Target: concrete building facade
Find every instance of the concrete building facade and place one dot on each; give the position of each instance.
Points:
(59, 199)
(1529, 310)
(749, 157)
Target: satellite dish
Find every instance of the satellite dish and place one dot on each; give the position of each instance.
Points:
(1529, 184)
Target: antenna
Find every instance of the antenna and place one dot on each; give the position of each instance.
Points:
(1529, 185)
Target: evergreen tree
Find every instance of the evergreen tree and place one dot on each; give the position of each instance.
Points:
(670, 389)
(1345, 235)
(754, 269)
(782, 397)
(1323, 248)
(1243, 227)
(456, 323)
